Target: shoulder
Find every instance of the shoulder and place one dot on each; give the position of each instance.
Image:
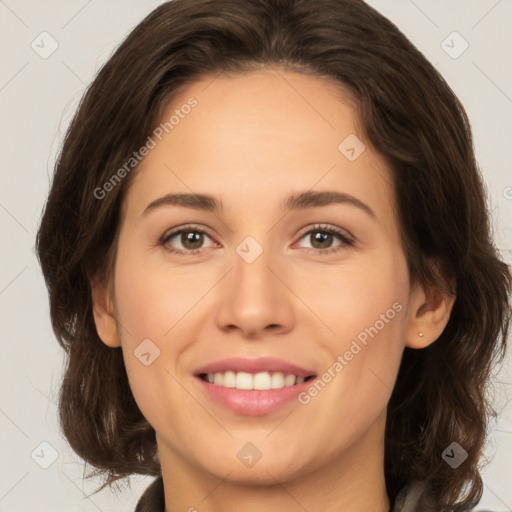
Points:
(417, 496)
(153, 499)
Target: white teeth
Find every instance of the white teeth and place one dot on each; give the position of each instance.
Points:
(228, 381)
(260, 381)
(243, 380)
(277, 381)
(289, 380)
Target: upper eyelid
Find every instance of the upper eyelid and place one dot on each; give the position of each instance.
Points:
(189, 227)
(328, 227)
(337, 231)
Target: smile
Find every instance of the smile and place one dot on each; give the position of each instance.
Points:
(253, 387)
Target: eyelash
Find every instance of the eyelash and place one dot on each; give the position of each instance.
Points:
(346, 241)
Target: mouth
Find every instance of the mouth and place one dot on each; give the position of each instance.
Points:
(253, 387)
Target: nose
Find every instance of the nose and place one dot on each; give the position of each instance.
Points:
(255, 300)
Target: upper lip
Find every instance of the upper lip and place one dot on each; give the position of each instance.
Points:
(262, 364)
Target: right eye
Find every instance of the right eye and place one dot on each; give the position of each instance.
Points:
(190, 238)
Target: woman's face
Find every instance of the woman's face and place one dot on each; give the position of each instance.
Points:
(292, 266)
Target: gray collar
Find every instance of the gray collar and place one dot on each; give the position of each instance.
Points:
(415, 497)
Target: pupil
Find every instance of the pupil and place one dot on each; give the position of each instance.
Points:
(319, 237)
(192, 240)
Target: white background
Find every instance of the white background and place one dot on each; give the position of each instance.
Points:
(38, 97)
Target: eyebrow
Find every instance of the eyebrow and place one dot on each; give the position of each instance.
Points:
(300, 201)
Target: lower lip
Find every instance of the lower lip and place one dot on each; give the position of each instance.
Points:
(252, 402)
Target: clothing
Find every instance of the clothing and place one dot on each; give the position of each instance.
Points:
(415, 497)
(153, 499)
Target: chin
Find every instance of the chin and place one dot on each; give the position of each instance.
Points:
(264, 472)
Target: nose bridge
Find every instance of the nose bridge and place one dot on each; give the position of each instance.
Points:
(255, 298)
(254, 284)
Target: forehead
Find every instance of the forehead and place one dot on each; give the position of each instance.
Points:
(263, 134)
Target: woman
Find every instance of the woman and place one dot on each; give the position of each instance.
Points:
(269, 261)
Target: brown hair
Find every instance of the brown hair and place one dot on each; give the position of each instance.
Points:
(410, 116)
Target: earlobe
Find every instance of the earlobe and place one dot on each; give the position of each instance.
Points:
(429, 311)
(104, 314)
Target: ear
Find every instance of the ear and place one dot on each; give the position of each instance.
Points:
(429, 311)
(104, 314)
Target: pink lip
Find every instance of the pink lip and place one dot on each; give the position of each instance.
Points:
(252, 402)
(262, 364)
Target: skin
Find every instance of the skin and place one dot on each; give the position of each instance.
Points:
(253, 140)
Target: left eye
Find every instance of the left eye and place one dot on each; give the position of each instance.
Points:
(321, 238)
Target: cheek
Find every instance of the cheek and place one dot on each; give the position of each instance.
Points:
(143, 312)
(366, 301)
(150, 300)
(156, 310)
(141, 301)
(368, 319)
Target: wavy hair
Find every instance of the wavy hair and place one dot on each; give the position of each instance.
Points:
(413, 120)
